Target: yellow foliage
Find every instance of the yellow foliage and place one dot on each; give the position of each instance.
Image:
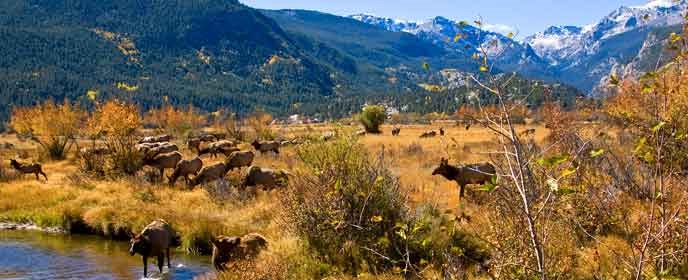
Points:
(433, 88)
(260, 122)
(126, 87)
(274, 59)
(92, 94)
(48, 119)
(52, 125)
(114, 118)
(175, 121)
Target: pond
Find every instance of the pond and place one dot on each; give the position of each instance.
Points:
(37, 255)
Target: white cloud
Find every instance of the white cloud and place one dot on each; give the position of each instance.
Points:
(500, 28)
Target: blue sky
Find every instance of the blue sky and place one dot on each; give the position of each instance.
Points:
(528, 16)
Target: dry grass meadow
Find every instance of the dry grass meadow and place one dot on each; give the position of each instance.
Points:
(112, 207)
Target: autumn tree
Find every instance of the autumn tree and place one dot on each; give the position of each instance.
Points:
(652, 109)
(116, 122)
(260, 122)
(175, 121)
(53, 126)
(372, 117)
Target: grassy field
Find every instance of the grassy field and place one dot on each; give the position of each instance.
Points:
(113, 207)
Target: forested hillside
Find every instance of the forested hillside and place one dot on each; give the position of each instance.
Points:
(215, 54)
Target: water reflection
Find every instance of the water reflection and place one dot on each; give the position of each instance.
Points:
(35, 255)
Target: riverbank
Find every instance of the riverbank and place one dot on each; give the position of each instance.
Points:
(34, 254)
(114, 209)
(31, 227)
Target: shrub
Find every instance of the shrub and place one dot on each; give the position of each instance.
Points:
(52, 126)
(260, 122)
(228, 121)
(7, 173)
(353, 213)
(372, 117)
(117, 121)
(414, 148)
(175, 121)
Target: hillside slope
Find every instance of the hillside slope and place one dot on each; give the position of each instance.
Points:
(217, 54)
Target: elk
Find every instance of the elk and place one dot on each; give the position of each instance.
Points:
(34, 168)
(155, 240)
(226, 248)
(185, 168)
(479, 173)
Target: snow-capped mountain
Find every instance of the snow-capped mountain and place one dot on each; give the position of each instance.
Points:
(629, 38)
(562, 44)
(462, 38)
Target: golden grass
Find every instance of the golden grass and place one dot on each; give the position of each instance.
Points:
(129, 204)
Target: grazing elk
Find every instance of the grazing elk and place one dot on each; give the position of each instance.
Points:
(194, 144)
(396, 131)
(266, 146)
(151, 150)
(155, 139)
(34, 168)
(268, 178)
(225, 147)
(226, 248)
(428, 134)
(239, 159)
(164, 161)
(207, 138)
(441, 131)
(185, 168)
(155, 240)
(209, 174)
(480, 173)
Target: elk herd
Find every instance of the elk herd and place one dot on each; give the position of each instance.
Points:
(159, 153)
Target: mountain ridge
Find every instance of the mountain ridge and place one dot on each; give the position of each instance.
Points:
(579, 55)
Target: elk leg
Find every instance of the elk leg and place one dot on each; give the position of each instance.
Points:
(462, 189)
(46, 176)
(36, 175)
(161, 260)
(169, 266)
(145, 266)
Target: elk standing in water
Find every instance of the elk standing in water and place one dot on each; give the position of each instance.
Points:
(477, 174)
(154, 241)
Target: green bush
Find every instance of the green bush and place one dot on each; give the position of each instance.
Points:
(352, 212)
(372, 117)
